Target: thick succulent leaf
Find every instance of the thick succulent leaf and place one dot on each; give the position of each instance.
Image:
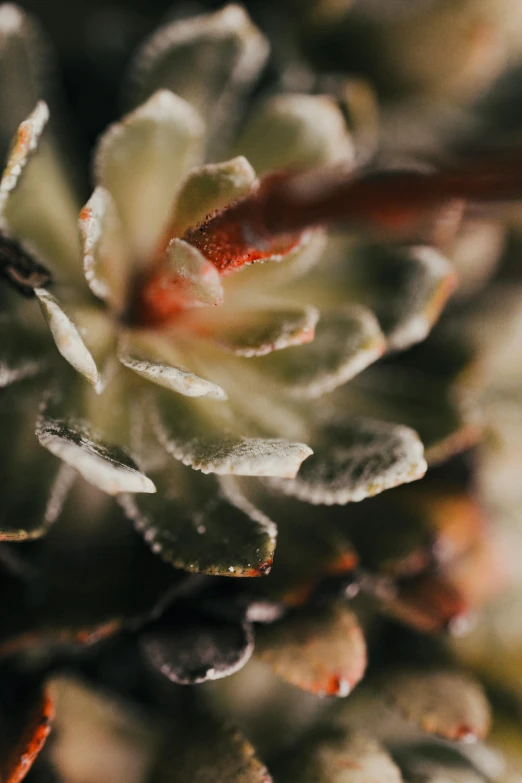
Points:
(78, 444)
(156, 359)
(209, 60)
(346, 342)
(262, 330)
(26, 514)
(20, 352)
(446, 703)
(106, 260)
(26, 714)
(210, 188)
(67, 336)
(202, 524)
(190, 646)
(430, 763)
(338, 757)
(23, 146)
(58, 601)
(125, 742)
(141, 162)
(202, 749)
(355, 458)
(22, 64)
(190, 435)
(195, 279)
(320, 649)
(297, 132)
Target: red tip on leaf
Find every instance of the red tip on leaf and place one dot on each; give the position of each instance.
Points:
(31, 741)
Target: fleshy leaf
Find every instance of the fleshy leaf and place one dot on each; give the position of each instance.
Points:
(210, 60)
(196, 278)
(356, 458)
(346, 342)
(26, 515)
(24, 145)
(319, 649)
(26, 714)
(201, 748)
(209, 188)
(189, 646)
(297, 132)
(106, 260)
(446, 703)
(20, 353)
(204, 525)
(58, 602)
(73, 440)
(67, 336)
(154, 358)
(142, 160)
(188, 436)
(261, 330)
(338, 757)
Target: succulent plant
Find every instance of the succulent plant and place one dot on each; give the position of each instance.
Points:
(190, 412)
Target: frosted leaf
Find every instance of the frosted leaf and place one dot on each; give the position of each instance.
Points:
(346, 342)
(321, 650)
(446, 703)
(67, 336)
(152, 358)
(202, 524)
(193, 277)
(338, 757)
(24, 145)
(190, 647)
(141, 162)
(262, 330)
(106, 261)
(210, 60)
(105, 465)
(210, 188)
(189, 436)
(296, 131)
(356, 458)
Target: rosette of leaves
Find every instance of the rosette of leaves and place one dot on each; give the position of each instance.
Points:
(178, 379)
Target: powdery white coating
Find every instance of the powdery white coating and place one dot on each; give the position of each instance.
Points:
(386, 456)
(25, 144)
(199, 280)
(67, 337)
(71, 442)
(435, 275)
(103, 251)
(263, 331)
(173, 378)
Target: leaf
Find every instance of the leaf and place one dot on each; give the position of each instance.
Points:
(261, 331)
(210, 60)
(431, 763)
(195, 278)
(67, 336)
(87, 578)
(209, 188)
(106, 261)
(23, 146)
(156, 359)
(24, 514)
(189, 646)
(346, 342)
(338, 757)
(446, 703)
(355, 458)
(295, 131)
(188, 434)
(141, 161)
(320, 649)
(203, 525)
(203, 749)
(26, 714)
(20, 352)
(73, 440)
